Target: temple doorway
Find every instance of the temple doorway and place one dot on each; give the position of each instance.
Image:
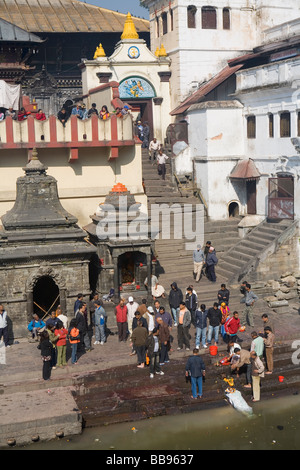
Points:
(141, 110)
(132, 269)
(46, 296)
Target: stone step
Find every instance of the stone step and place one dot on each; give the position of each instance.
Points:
(261, 239)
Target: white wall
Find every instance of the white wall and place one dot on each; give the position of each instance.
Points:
(198, 53)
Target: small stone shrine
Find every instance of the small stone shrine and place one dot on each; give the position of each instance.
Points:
(121, 233)
(44, 255)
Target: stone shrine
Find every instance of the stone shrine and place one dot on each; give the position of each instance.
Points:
(120, 231)
(44, 256)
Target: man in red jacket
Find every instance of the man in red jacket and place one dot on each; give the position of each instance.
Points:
(232, 326)
(121, 317)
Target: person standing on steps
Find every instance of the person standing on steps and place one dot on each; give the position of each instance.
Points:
(153, 348)
(214, 316)
(199, 259)
(161, 164)
(211, 262)
(175, 297)
(154, 147)
(121, 318)
(257, 344)
(139, 337)
(269, 348)
(195, 367)
(258, 370)
(249, 300)
(164, 339)
(201, 326)
(191, 304)
(223, 295)
(184, 323)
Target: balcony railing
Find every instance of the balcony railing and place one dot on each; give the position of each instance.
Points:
(76, 134)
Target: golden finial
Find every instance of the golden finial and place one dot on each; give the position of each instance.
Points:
(162, 52)
(99, 52)
(157, 52)
(129, 31)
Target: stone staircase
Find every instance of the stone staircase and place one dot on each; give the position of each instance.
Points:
(127, 394)
(237, 257)
(242, 259)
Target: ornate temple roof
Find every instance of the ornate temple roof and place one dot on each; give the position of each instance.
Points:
(65, 16)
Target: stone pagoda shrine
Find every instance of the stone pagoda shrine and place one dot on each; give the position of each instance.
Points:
(120, 231)
(44, 254)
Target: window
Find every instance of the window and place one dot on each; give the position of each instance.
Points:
(226, 18)
(157, 27)
(164, 18)
(271, 124)
(191, 16)
(172, 20)
(285, 124)
(251, 127)
(209, 18)
(298, 124)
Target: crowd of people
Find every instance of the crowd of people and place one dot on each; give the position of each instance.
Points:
(150, 331)
(21, 114)
(80, 111)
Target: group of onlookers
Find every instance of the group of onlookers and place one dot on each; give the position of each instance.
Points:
(21, 114)
(80, 111)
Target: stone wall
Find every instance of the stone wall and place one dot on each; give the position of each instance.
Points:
(16, 288)
(285, 259)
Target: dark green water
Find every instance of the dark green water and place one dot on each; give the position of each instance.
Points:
(274, 426)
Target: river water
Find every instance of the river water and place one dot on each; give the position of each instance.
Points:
(275, 425)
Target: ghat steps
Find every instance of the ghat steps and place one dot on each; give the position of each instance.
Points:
(114, 396)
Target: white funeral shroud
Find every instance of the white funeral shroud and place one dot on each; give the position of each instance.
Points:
(9, 95)
(236, 399)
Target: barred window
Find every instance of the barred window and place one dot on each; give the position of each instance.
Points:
(209, 18)
(285, 124)
(251, 127)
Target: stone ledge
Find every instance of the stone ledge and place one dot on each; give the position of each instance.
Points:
(38, 414)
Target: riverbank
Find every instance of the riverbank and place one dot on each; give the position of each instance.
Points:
(34, 409)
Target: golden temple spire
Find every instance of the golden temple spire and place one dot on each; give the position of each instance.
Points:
(99, 52)
(129, 31)
(162, 52)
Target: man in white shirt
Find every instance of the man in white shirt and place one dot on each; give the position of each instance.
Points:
(154, 147)
(131, 309)
(161, 162)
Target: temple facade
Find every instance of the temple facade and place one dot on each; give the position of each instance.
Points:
(143, 77)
